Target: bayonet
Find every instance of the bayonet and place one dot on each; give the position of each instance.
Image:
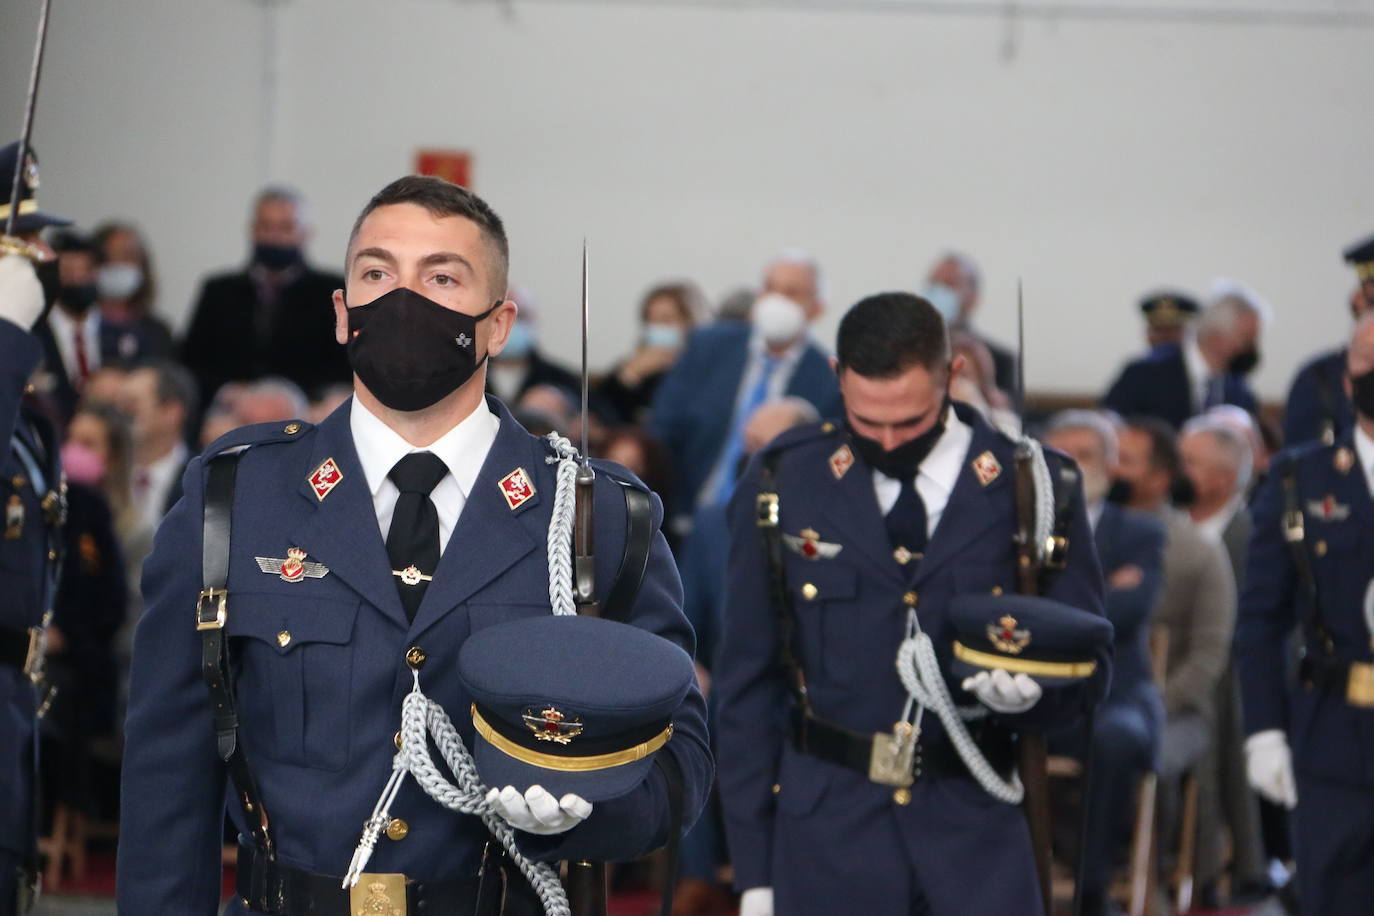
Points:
(584, 545)
(9, 242)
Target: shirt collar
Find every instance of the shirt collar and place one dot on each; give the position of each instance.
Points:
(89, 322)
(946, 459)
(1194, 362)
(463, 449)
(1364, 449)
(758, 348)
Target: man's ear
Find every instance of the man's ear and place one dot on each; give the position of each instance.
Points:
(502, 320)
(340, 318)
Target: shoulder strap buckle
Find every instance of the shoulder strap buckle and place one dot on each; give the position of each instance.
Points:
(766, 511)
(209, 614)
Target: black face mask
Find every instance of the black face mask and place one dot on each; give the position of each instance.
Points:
(78, 299)
(1244, 362)
(903, 461)
(1120, 492)
(1182, 493)
(275, 257)
(410, 351)
(1362, 393)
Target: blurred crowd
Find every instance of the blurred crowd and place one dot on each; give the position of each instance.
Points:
(1179, 436)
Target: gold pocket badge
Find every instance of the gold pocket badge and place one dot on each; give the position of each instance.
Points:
(810, 545)
(294, 568)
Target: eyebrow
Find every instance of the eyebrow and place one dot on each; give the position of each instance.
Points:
(429, 260)
(910, 421)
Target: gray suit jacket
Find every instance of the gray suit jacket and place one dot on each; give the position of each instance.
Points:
(1198, 609)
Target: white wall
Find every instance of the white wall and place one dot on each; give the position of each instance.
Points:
(1093, 158)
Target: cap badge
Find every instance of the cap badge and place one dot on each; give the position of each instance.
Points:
(516, 488)
(987, 468)
(294, 568)
(810, 545)
(551, 725)
(463, 340)
(1007, 637)
(1344, 460)
(325, 478)
(841, 461)
(1328, 510)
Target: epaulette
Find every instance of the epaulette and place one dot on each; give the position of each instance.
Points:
(258, 434)
(807, 432)
(620, 473)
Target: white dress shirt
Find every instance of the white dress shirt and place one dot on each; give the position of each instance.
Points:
(153, 483)
(63, 328)
(1364, 451)
(1199, 373)
(938, 474)
(463, 449)
(1214, 526)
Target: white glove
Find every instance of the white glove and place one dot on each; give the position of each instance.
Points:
(757, 901)
(537, 811)
(1269, 767)
(1003, 692)
(21, 295)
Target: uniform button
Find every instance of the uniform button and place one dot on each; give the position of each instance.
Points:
(909, 599)
(415, 658)
(827, 428)
(997, 589)
(284, 638)
(396, 740)
(52, 554)
(17, 482)
(1319, 548)
(902, 796)
(397, 829)
(291, 429)
(809, 592)
(777, 787)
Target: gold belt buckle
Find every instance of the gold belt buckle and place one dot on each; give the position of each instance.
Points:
(1359, 687)
(378, 895)
(891, 762)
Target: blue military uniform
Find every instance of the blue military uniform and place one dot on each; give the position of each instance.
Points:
(30, 492)
(1318, 409)
(322, 666)
(822, 835)
(1328, 715)
(1157, 385)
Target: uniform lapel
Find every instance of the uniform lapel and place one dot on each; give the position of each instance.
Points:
(972, 506)
(1352, 486)
(342, 532)
(853, 508)
(491, 535)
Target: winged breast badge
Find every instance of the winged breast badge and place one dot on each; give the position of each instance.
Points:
(294, 568)
(809, 544)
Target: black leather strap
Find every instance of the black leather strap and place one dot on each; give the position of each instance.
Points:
(769, 529)
(853, 750)
(212, 611)
(672, 776)
(639, 536)
(1294, 534)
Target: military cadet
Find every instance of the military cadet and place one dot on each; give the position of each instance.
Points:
(364, 551)
(31, 492)
(1311, 564)
(1167, 316)
(852, 543)
(1318, 409)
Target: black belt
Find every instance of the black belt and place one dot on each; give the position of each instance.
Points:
(854, 750)
(268, 886)
(18, 648)
(1354, 681)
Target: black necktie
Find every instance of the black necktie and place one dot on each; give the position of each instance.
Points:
(413, 541)
(906, 521)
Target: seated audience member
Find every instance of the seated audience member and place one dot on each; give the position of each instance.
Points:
(328, 400)
(667, 314)
(637, 450)
(973, 382)
(736, 305)
(127, 290)
(729, 369)
(1168, 315)
(274, 315)
(105, 386)
(521, 366)
(1216, 453)
(271, 399)
(955, 286)
(1196, 612)
(1130, 719)
(160, 398)
(1174, 383)
(99, 453)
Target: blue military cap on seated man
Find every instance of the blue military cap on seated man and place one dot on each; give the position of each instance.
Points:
(1168, 308)
(586, 709)
(1052, 642)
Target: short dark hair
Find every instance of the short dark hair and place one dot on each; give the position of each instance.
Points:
(443, 198)
(884, 335)
(174, 383)
(1163, 444)
(68, 241)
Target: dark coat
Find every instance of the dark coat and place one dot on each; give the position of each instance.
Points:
(224, 343)
(119, 345)
(1157, 385)
(1132, 539)
(1317, 398)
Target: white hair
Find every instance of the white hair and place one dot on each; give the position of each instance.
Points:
(1230, 303)
(1234, 445)
(1226, 288)
(286, 194)
(801, 258)
(1095, 422)
(289, 391)
(966, 266)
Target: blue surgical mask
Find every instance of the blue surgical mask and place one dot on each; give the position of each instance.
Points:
(519, 343)
(944, 298)
(663, 335)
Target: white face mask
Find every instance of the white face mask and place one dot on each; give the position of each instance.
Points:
(778, 319)
(118, 281)
(944, 298)
(669, 336)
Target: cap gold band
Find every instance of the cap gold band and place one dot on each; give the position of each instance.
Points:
(568, 764)
(1023, 665)
(25, 208)
(1364, 270)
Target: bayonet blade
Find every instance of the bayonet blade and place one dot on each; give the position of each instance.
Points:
(1020, 393)
(30, 103)
(586, 308)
